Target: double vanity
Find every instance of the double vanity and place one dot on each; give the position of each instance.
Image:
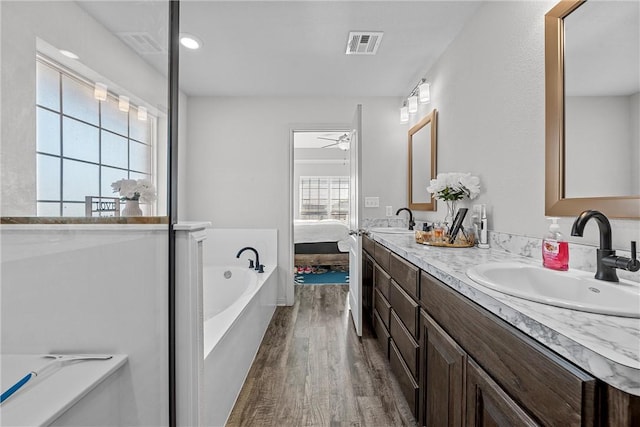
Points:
(470, 354)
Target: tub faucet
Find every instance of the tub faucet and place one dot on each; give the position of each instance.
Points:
(258, 267)
(606, 258)
(411, 221)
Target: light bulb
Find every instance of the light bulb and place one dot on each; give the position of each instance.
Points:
(100, 91)
(413, 104)
(424, 95)
(404, 114)
(123, 103)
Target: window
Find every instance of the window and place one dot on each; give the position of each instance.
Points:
(323, 197)
(82, 144)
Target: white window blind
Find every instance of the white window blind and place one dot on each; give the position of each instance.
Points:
(324, 197)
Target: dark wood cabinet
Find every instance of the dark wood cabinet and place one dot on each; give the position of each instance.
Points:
(460, 365)
(489, 405)
(367, 287)
(442, 376)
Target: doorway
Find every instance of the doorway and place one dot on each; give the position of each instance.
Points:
(320, 206)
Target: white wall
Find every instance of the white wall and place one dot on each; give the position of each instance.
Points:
(62, 24)
(488, 88)
(239, 158)
(92, 289)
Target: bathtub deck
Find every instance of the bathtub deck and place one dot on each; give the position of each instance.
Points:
(312, 370)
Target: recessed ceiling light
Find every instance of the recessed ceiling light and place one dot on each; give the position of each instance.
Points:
(69, 54)
(190, 42)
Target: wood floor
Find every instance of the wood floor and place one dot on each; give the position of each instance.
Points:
(313, 370)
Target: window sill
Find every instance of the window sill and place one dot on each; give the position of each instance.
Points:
(29, 220)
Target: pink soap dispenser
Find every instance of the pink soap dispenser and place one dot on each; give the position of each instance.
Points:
(555, 250)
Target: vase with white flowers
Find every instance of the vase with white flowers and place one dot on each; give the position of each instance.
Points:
(451, 187)
(133, 192)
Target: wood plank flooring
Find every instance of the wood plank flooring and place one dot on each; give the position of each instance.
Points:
(313, 370)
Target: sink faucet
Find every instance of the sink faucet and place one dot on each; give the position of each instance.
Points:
(411, 222)
(258, 267)
(606, 258)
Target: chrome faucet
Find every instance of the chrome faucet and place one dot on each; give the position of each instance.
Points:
(258, 267)
(606, 258)
(411, 221)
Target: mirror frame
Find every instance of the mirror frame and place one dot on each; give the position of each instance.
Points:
(556, 204)
(432, 118)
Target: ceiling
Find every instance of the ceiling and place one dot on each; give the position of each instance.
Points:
(297, 48)
(322, 139)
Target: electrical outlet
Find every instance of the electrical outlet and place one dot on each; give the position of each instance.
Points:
(371, 202)
(389, 210)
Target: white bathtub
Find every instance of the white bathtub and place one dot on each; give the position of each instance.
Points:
(236, 313)
(226, 292)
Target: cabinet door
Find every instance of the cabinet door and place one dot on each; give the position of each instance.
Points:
(488, 404)
(367, 287)
(442, 376)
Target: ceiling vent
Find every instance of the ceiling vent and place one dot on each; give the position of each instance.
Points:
(363, 42)
(142, 43)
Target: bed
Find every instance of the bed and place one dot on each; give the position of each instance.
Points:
(321, 242)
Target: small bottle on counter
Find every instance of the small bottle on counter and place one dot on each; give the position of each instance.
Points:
(555, 250)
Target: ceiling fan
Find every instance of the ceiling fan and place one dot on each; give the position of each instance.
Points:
(342, 142)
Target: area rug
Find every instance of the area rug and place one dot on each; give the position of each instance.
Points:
(328, 278)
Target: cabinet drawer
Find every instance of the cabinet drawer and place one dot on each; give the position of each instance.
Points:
(381, 280)
(382, 335)
(553, 390)
(383, 308)
(405, 307)
(488, 405)
(381, 254)
(405, 274)
(405, 379)
(405, 343)
(368, 244)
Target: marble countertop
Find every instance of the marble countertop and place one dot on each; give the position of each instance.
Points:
(607, 347)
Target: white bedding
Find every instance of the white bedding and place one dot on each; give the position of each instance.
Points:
(325, 230)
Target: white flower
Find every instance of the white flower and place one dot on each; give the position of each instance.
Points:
(472, 184)
(454, 186)
(130, 189)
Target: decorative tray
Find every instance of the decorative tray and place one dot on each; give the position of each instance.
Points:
(462, 241)
(450, 245)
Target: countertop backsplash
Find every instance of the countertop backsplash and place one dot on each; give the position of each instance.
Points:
(581, 257)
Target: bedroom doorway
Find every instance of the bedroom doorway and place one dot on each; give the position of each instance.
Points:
(320, 206)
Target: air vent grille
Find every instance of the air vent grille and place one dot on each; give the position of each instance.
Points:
(363, 43)
(142, 43)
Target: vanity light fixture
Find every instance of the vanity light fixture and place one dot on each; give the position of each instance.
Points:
(142, 114)
(189, 41)
(424, 95)
(69, 54)
(404, 114)
(123, 103)
(100, 91)
(413, 104)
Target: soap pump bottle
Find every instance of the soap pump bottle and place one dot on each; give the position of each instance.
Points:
(555, 250)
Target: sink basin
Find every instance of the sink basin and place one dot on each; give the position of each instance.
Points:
(577, 290)
(391, 230)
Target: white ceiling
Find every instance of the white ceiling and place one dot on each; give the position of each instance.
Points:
(322, 139)
(296, 48)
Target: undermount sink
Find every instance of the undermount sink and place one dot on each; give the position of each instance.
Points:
(391, 230)
(577, 290)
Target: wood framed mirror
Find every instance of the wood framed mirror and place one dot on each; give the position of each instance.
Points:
(422, 145)
(592, 150)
